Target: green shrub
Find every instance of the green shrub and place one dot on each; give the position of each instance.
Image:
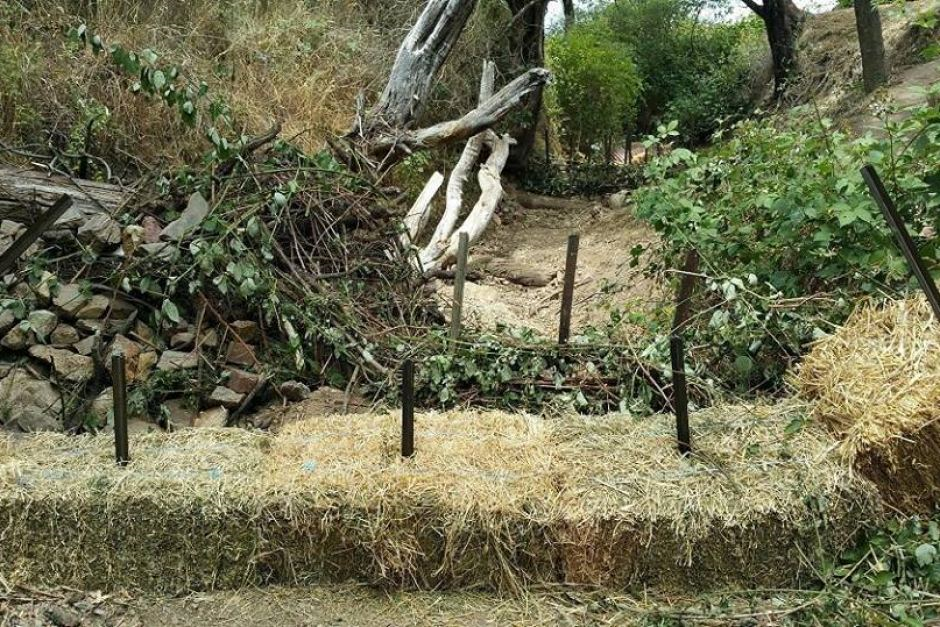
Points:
(692, 71)
(595, 87)
(787, 231)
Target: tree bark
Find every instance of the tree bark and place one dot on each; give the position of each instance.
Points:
(782, 21)
(458, 178)
(480, 119)
(871, 43)
(420, 57)
(26, 193)
(569, 13)
(527, 34)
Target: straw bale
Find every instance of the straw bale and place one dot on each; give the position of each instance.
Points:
(490, 500)
(875, 384)
(752, 506)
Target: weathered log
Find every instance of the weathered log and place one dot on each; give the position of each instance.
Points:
(24, 194)
(538, 201)
(458, 178)
(491, 192)
(484, 117)
(419, 60)
(417, 217)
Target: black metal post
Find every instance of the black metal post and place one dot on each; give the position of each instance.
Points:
(902, 237)
(680, 398)
(32, 233)
(684, 293)
(567, 294)
(408, 409)
(119, 381)
(460, 278)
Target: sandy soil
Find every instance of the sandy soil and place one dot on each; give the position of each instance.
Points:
(537, 238)
(333, 605)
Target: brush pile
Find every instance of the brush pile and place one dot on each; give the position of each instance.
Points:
(218, 286)
(490, 500)
(875, 384)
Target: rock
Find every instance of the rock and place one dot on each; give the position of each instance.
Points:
(43, 322)
(242, 381)
(62, 616)
(47, 283)
(87, 346)
(619, 200)
(7, 320)
(144, 333)
(179, 416)
(70, 298)
(209, 339)
(247, 330)
(69, 366)
(294, 391)
(137, 361)
(177, 360)
(195, 212)
(135, 427)
(216, 417)
(102, 408)
(240, 354)
(152, 229)
(29, 404)
(64, 335)
(184, 339)
(11, 229)
(16, 338)
(327, 400)
(225, 397)
(100, 230)
(163, 251)
(94, 308)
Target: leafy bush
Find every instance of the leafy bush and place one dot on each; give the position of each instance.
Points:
(787, 231)
(692, 71)
(595, 86)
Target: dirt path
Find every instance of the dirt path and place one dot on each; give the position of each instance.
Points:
(536, 239)
(320, 606)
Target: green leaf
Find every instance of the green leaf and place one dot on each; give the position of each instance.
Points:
(170, 310)
(925, 554)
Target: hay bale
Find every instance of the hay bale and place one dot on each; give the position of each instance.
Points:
(491, 500)
(752, 507)
(875, 384)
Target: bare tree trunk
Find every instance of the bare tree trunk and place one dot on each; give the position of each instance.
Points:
(458, 178)
(569, 13)
(420, 57)
(782, 21)
(528, 41)
(871, 43)
(485, 116)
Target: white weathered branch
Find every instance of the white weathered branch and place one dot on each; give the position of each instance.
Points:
(417, 217)
(459, 176)
(419, 59)
(491, 192)
(484, 117)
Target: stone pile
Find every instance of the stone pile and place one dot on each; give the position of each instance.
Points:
(57, 337)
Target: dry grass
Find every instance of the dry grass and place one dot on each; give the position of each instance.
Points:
(491, 500)
(301, 62)
(876, 384)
